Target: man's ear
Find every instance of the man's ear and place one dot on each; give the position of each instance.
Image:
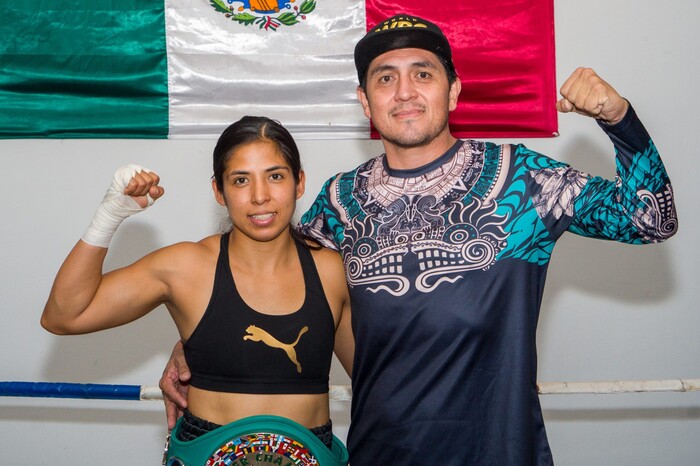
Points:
(218, 195)
(362, 97)
(455, 89)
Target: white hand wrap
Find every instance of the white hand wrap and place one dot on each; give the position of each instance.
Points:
(115, 208)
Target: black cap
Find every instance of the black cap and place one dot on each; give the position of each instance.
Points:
(401, 32)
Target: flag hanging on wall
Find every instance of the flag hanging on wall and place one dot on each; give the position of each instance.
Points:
(188, 68)
(503, 51)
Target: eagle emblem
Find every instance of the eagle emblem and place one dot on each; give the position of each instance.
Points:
(266, 14)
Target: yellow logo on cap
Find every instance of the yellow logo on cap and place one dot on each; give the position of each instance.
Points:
(400, 23)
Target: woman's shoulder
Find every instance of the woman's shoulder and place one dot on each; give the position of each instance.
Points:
(323, 255)
(189, 251)
(330, 267)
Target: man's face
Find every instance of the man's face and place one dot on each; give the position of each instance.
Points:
(408, 97)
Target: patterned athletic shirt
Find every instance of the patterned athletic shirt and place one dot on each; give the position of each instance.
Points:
(446, 266)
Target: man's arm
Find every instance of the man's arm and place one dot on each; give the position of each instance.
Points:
(320, 222)
(586, 93)
(637, 207)
(174, 384)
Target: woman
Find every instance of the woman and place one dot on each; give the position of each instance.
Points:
(260, 310)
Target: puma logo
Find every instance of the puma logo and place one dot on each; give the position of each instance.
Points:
(258, 334)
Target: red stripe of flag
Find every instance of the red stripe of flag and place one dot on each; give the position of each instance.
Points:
(504, 54)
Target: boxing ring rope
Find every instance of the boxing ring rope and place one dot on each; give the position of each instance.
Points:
(336, 393)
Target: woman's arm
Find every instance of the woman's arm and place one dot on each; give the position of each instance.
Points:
(82, 299)
(344, 340)
(332, 271)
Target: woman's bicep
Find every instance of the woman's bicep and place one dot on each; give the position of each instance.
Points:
(123, 295)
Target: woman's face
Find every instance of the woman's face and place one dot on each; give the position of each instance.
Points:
(259, 191)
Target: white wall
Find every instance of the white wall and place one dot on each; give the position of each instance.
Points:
(611, 311)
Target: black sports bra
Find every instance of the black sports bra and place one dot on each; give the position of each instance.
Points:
(237, 349)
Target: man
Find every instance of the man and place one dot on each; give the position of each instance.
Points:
(446, 245)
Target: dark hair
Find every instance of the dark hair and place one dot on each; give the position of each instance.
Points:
(251, 129)
(401, 32)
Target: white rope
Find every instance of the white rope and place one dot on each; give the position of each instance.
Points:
(344, 392)
(622, 386)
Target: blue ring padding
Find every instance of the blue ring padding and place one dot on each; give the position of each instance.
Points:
(71, 390)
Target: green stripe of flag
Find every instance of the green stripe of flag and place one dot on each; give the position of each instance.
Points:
(81, 68)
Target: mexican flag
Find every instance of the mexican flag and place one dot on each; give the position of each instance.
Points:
(188, 68)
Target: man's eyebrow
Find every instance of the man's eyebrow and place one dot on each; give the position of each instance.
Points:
(416, 64)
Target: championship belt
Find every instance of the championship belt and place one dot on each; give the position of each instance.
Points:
(254, 441)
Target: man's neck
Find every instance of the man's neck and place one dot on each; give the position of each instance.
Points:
(408, 158)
